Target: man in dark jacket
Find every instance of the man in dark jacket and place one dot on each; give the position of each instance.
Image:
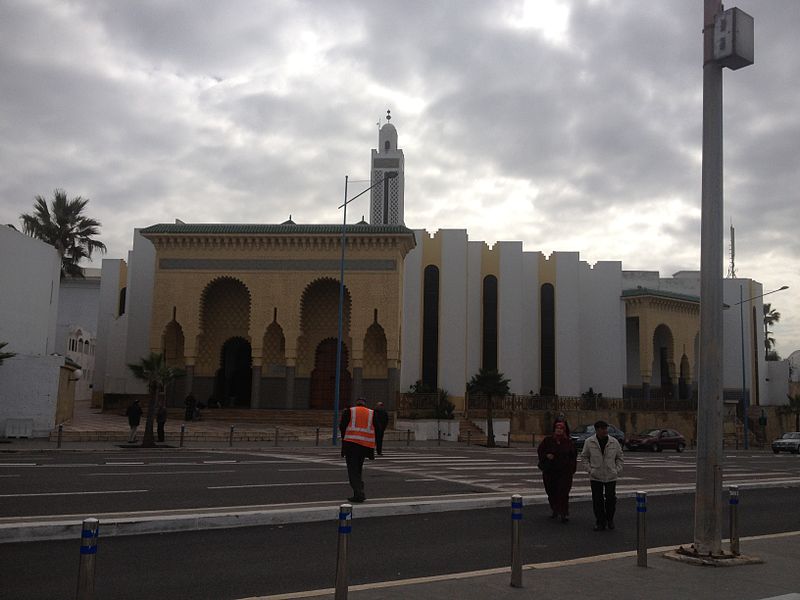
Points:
(161, 419)
(134, 414)
(381, 423)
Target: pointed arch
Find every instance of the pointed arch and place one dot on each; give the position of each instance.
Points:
(172, 344)
(319, 319)
(274, 347)
(375, 360)
(663, 367)
(224, 313)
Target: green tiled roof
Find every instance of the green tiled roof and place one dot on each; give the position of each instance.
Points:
(658, 293)
(255, 228)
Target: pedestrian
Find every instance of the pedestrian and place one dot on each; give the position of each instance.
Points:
(190, 404)
(562, 418)
(558, 460)
(161, 419)
(134, 414)
(358, 443)
(602, 459)
(381, 423)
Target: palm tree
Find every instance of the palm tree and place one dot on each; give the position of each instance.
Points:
(5, 355)
(64, 227)
(154, 370)
(490, 383)
(771, 316)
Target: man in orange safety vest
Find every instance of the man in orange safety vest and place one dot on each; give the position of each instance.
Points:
(358, 443)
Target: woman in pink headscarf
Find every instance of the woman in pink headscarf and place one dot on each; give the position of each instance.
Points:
(558, 460)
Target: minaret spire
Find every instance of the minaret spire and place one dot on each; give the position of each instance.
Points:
(386, 206)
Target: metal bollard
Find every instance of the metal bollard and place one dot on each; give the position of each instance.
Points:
(469, 438)
(183, 432)
(60, 433)
(91, 527)
(516, 557)
(345, 520)
(408, 437)
(641, 529)
(733, 501)
(276, 436)
(438, 437)
(316, 443)
(230, 438)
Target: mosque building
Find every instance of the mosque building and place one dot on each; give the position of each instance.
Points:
(251, 312)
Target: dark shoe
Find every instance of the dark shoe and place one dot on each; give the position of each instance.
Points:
(554, 515)
(565, 518)
(611, 524)
(599, 527)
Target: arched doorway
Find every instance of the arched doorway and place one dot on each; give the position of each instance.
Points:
(233, 380)
(323, 377)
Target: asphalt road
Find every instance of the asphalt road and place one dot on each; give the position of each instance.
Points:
(95, 482)
(238, 563)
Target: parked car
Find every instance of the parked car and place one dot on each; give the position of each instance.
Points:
(657, 440)
(581, 433)
(788, 442)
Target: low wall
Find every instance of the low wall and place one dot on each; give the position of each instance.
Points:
(426, 429)
(525, 423)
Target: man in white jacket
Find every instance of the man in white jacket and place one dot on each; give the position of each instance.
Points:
(602, 459)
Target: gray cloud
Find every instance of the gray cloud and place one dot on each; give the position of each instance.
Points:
(585, 138)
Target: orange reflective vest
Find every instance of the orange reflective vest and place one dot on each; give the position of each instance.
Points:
(360, 429)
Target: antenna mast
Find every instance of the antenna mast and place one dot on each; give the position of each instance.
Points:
(732, 266)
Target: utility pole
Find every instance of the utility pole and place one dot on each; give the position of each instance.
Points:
(727, 41)
(708, 501)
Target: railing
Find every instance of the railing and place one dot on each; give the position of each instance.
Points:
(514, 403)
(418, 406)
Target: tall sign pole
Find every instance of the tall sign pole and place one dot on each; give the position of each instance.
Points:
(727, 42)
(708, 500)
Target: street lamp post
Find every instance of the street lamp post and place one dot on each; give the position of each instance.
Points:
(336, 394)
(745, 395)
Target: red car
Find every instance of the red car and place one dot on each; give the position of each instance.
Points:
(657, 440)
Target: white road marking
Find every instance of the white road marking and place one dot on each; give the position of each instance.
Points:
(219, 462)
(17, 464)
(268, 485)
(98, 492)
(124, 464)
(157, 473)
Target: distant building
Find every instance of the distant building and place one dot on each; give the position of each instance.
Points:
(37, 385)
(250, 311)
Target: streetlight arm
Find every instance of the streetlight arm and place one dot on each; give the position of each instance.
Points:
(780, 289)
(391, 175)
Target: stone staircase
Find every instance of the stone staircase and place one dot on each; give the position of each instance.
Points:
(468, 431)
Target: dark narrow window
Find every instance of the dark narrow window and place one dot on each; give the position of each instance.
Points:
(121, 308)
(430, 327)
(489, 322)
(387, 145)
(548, 326)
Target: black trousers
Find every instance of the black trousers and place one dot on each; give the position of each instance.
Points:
(354, 456)
(604, 500)
(160, 430)
(379, 440)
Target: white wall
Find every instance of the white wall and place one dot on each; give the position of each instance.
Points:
(29, 272)
(141, 279)
(602, 328)
(511, 358)
(410, 333)
(29, 390)
(531, 379)
(106, 317)
(777, 383)
(474, 295)
(453, 311)
(567, 306)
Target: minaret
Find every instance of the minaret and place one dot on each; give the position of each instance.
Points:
(386, 207)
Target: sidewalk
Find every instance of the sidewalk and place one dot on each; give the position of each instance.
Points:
(614, 576)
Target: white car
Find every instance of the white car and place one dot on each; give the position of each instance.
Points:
(788, 442)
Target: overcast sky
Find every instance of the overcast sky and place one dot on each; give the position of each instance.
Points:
(569, 125)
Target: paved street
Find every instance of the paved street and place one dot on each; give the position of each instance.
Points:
(124, 480)
(254, 561)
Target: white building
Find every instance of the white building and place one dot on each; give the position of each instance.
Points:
(36, 385)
